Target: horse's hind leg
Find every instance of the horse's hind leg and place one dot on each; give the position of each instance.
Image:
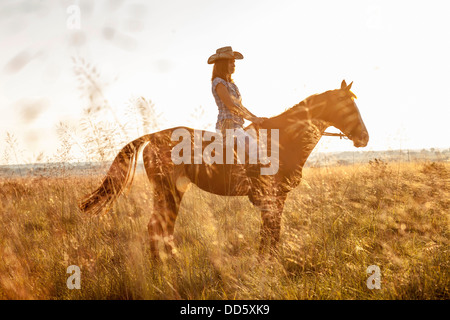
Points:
(166, 197)
(166, 203)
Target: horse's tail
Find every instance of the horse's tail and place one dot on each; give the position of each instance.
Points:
(119, 176)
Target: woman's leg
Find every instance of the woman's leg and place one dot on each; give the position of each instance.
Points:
(250, 141)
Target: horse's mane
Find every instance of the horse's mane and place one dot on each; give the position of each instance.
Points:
(301, 106)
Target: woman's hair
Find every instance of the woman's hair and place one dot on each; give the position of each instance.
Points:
(221, 70)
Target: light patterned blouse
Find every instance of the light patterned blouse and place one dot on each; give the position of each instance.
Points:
(224, 112)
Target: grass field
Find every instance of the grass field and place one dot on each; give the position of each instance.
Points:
(339, 221)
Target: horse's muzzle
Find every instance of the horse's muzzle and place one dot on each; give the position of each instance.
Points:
(361, 140)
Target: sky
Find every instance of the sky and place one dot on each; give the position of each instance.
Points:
(395, 52)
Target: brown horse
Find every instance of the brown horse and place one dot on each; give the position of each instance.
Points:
(300, 128)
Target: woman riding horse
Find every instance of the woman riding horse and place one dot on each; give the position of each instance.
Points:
(300, 129)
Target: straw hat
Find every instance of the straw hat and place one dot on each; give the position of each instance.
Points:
(225, 53)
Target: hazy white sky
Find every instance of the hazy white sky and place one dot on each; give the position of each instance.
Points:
(396, 53)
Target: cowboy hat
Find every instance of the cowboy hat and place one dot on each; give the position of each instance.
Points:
(225, 53)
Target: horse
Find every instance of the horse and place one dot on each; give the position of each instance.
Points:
(300, 129)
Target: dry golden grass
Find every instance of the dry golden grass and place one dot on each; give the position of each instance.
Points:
(337, 223)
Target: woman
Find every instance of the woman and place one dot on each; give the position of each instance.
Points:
(228, 99)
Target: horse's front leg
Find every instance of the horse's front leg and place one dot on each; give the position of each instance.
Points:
(271, 212)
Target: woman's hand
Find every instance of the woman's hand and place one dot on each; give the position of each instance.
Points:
(257, 120)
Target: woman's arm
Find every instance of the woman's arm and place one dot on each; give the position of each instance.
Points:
(240, 110)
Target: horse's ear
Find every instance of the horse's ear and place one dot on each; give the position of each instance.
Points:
(349, 86)
(343, 84)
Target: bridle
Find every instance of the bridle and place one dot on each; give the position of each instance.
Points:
(340, 134)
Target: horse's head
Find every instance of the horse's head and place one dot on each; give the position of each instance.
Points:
(344, 115)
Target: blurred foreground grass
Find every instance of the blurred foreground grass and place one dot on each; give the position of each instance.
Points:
(337, 223)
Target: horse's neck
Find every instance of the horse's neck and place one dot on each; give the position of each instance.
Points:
(304, 122)
(301, 128)
(301, 142)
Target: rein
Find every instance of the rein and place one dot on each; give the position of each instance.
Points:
(340, 135)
